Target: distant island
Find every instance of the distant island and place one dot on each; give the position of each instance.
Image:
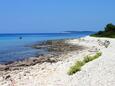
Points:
(109, 31)
(79, 31)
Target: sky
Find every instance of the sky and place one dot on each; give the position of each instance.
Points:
(39, 16)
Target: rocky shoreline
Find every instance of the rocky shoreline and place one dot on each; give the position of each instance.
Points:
(56, 50)
(99, 72)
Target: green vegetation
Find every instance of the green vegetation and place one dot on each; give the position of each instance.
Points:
(77, 66)
(109, 31)
(90, 58)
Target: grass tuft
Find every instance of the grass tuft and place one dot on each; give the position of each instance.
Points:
(78, 64)
(75, 68)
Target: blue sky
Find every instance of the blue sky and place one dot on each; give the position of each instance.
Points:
(26, 16)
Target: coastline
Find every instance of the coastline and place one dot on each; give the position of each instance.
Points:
(55, 73)
(56, 49)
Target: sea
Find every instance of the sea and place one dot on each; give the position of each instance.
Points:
(17, 46)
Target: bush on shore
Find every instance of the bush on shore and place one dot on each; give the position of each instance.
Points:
(77, 66)
(109, 31)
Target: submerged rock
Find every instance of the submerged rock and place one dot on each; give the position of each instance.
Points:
(55, 49)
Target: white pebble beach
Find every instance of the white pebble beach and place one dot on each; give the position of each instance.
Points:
(99, 72)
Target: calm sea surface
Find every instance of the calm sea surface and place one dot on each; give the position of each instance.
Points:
(15, 46)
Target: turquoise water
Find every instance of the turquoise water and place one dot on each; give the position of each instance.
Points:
(15, 46)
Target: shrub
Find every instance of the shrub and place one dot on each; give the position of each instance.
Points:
(109, 31)
(87, 59)
(77, 66)
(90, 58)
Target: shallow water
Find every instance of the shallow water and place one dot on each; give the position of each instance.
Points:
(14, 46)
